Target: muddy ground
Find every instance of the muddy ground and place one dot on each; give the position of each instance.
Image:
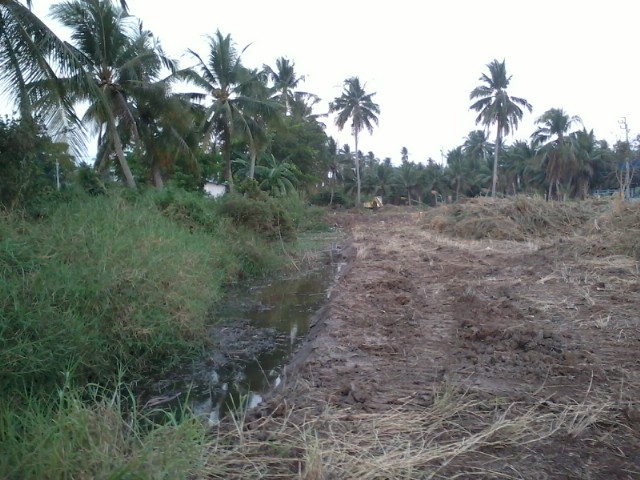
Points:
(521, 358)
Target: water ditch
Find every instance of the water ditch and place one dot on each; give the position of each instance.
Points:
(262, 327)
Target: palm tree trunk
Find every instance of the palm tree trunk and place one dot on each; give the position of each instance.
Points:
(226, 154)
(117, 146)
(252, 163)
(357, 160)
(333, 186)
(157, 176)
(494, 183)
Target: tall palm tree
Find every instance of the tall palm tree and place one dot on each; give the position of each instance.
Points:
(235, 108)
(407, 177)
(404, 154)
(477, 147)
(519, 166)
(588, 155)
(120, 58)
(495, 106)
(301, 107)
(285, 82)
(555, 149)
(167, 131)
(358, 106)
(458, 170)
(31, 58)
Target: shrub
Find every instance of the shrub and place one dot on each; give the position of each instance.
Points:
(264, 216)
(193, 210)
(324, 199)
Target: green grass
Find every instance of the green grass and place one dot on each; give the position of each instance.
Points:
(98, 284)
(98, 434)
(122, 282)
(110, 281)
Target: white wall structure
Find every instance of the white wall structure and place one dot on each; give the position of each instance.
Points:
(215, 190)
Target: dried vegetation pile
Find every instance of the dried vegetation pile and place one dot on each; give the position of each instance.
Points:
(616, 231)
(457, 436)
(506, 219)
(598, 227)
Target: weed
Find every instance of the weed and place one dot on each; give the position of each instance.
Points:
(95, 432)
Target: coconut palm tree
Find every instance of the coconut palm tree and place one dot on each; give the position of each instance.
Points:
(31, 58)
(519, 166)
(120, 58)
(285, 82)
(358, 106)
(168, 132)
(588, 156)
(477, 147)
(404, 154)
(381, 179)
(279, 178)
(407, 177)
(235, 108)
(555, 149)
(458, 170)
(495, 106)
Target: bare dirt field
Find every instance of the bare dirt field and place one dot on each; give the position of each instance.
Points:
(494, 339)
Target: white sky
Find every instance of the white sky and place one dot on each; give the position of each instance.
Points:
(424, 58)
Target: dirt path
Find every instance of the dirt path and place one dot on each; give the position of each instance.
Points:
(529, 334)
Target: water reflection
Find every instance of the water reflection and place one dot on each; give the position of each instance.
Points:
(283, 309)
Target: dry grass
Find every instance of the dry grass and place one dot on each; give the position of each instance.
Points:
(616, 231)
(511, 219)
(456, 437)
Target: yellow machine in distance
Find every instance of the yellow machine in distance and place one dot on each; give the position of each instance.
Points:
(373, 204)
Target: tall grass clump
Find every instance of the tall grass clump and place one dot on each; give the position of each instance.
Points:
(92, 432)
(304, 216)
(97, 284)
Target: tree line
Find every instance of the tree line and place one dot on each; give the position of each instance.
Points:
(242, 124)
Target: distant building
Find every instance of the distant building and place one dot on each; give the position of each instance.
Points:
(215, 190)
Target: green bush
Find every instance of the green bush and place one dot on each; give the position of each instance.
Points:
(324, 199)
(193, 210)
(89, 181)
(304, 217)
(264, 216)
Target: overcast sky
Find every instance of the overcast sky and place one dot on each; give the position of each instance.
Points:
(423, 58)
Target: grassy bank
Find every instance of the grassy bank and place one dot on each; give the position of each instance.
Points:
(116, 283)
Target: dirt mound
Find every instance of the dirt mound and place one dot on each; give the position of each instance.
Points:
(516, 219)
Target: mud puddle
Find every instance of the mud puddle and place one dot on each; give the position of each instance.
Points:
(260, 329)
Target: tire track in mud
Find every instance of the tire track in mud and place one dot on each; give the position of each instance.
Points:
(511, 322)
(393, 327)
(417, 309)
